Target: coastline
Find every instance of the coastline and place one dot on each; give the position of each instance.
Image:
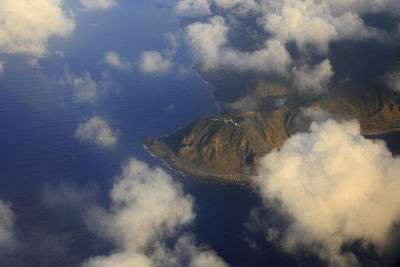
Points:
(160, 150)
(163, 149)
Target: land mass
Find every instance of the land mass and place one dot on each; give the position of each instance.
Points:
(226, 148)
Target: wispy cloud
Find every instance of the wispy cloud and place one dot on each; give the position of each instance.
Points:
(114, 60)
(85, 89)
(68, 195)
(97, 131)
(393, 80)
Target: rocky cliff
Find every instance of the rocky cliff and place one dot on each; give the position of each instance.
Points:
(227, 148)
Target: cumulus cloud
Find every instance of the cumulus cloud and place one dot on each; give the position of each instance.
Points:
(114, 60)
(312, 23)
(154, 62)
(85, 89)
(313, 80)
(287, 37)
(7, 218)
(99, 4)
(393, 80)
(147, 209)
(97, 131)
(205, 40)
(209, 43)
(272, 58)
(25, 26)
(336, 187)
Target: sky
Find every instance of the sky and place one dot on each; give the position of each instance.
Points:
(335, 190)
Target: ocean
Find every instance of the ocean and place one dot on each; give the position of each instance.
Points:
(38, 149)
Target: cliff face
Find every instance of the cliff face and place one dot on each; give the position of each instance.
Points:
(228, 147)
(376, 113)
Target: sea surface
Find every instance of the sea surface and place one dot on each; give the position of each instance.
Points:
(39, 152)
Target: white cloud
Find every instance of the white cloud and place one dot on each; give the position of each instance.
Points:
(147, 209)
(337, 186)
(146, 203)
(393, 80)
(85, 89)
(313, 80)
(154, 62)
(272, 58)
(193, 8)
(1, 68)
(97, 131)
(25, 26)
(99, 4)
(208, 42)
(312, 23)
(205, 40)
(114, 60)
(7, 218)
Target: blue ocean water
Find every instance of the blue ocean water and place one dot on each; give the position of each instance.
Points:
(38, 118)
(38, 150)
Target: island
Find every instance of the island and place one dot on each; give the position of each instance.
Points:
(226, 148)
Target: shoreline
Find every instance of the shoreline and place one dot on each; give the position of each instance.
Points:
(161, 151)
